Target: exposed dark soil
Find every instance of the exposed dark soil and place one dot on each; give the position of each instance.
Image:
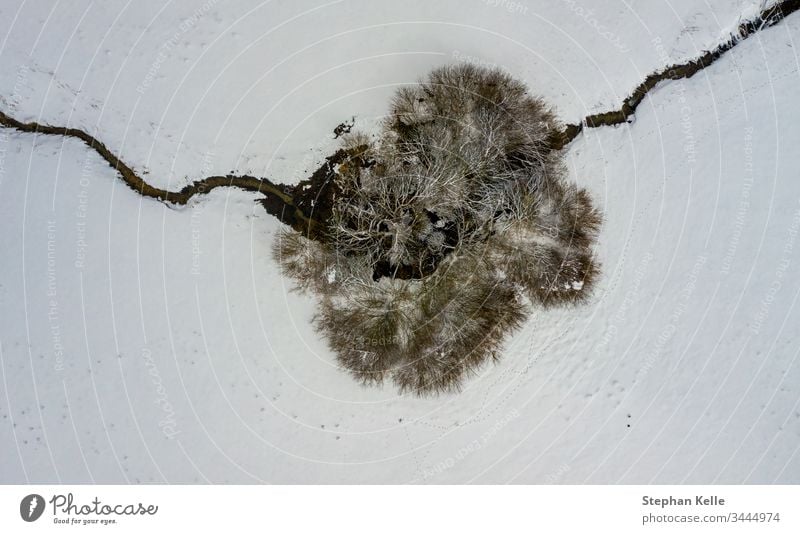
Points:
(344, 128)
(308, 204)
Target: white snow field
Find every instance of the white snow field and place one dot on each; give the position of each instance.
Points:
(141, 343)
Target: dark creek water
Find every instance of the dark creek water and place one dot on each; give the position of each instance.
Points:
(306, 206)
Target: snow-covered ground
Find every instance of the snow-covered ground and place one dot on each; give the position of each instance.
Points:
(140, 343)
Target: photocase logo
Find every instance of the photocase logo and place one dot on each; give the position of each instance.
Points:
(31, 507)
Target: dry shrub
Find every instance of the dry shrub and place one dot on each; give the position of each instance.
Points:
(467, 312)
(301, 259)
(440, 228)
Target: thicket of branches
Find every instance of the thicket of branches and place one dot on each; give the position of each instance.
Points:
(444, 231)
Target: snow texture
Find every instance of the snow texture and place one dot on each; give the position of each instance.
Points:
(144, 344)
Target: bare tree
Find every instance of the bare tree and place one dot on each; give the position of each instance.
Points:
(444, 231)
